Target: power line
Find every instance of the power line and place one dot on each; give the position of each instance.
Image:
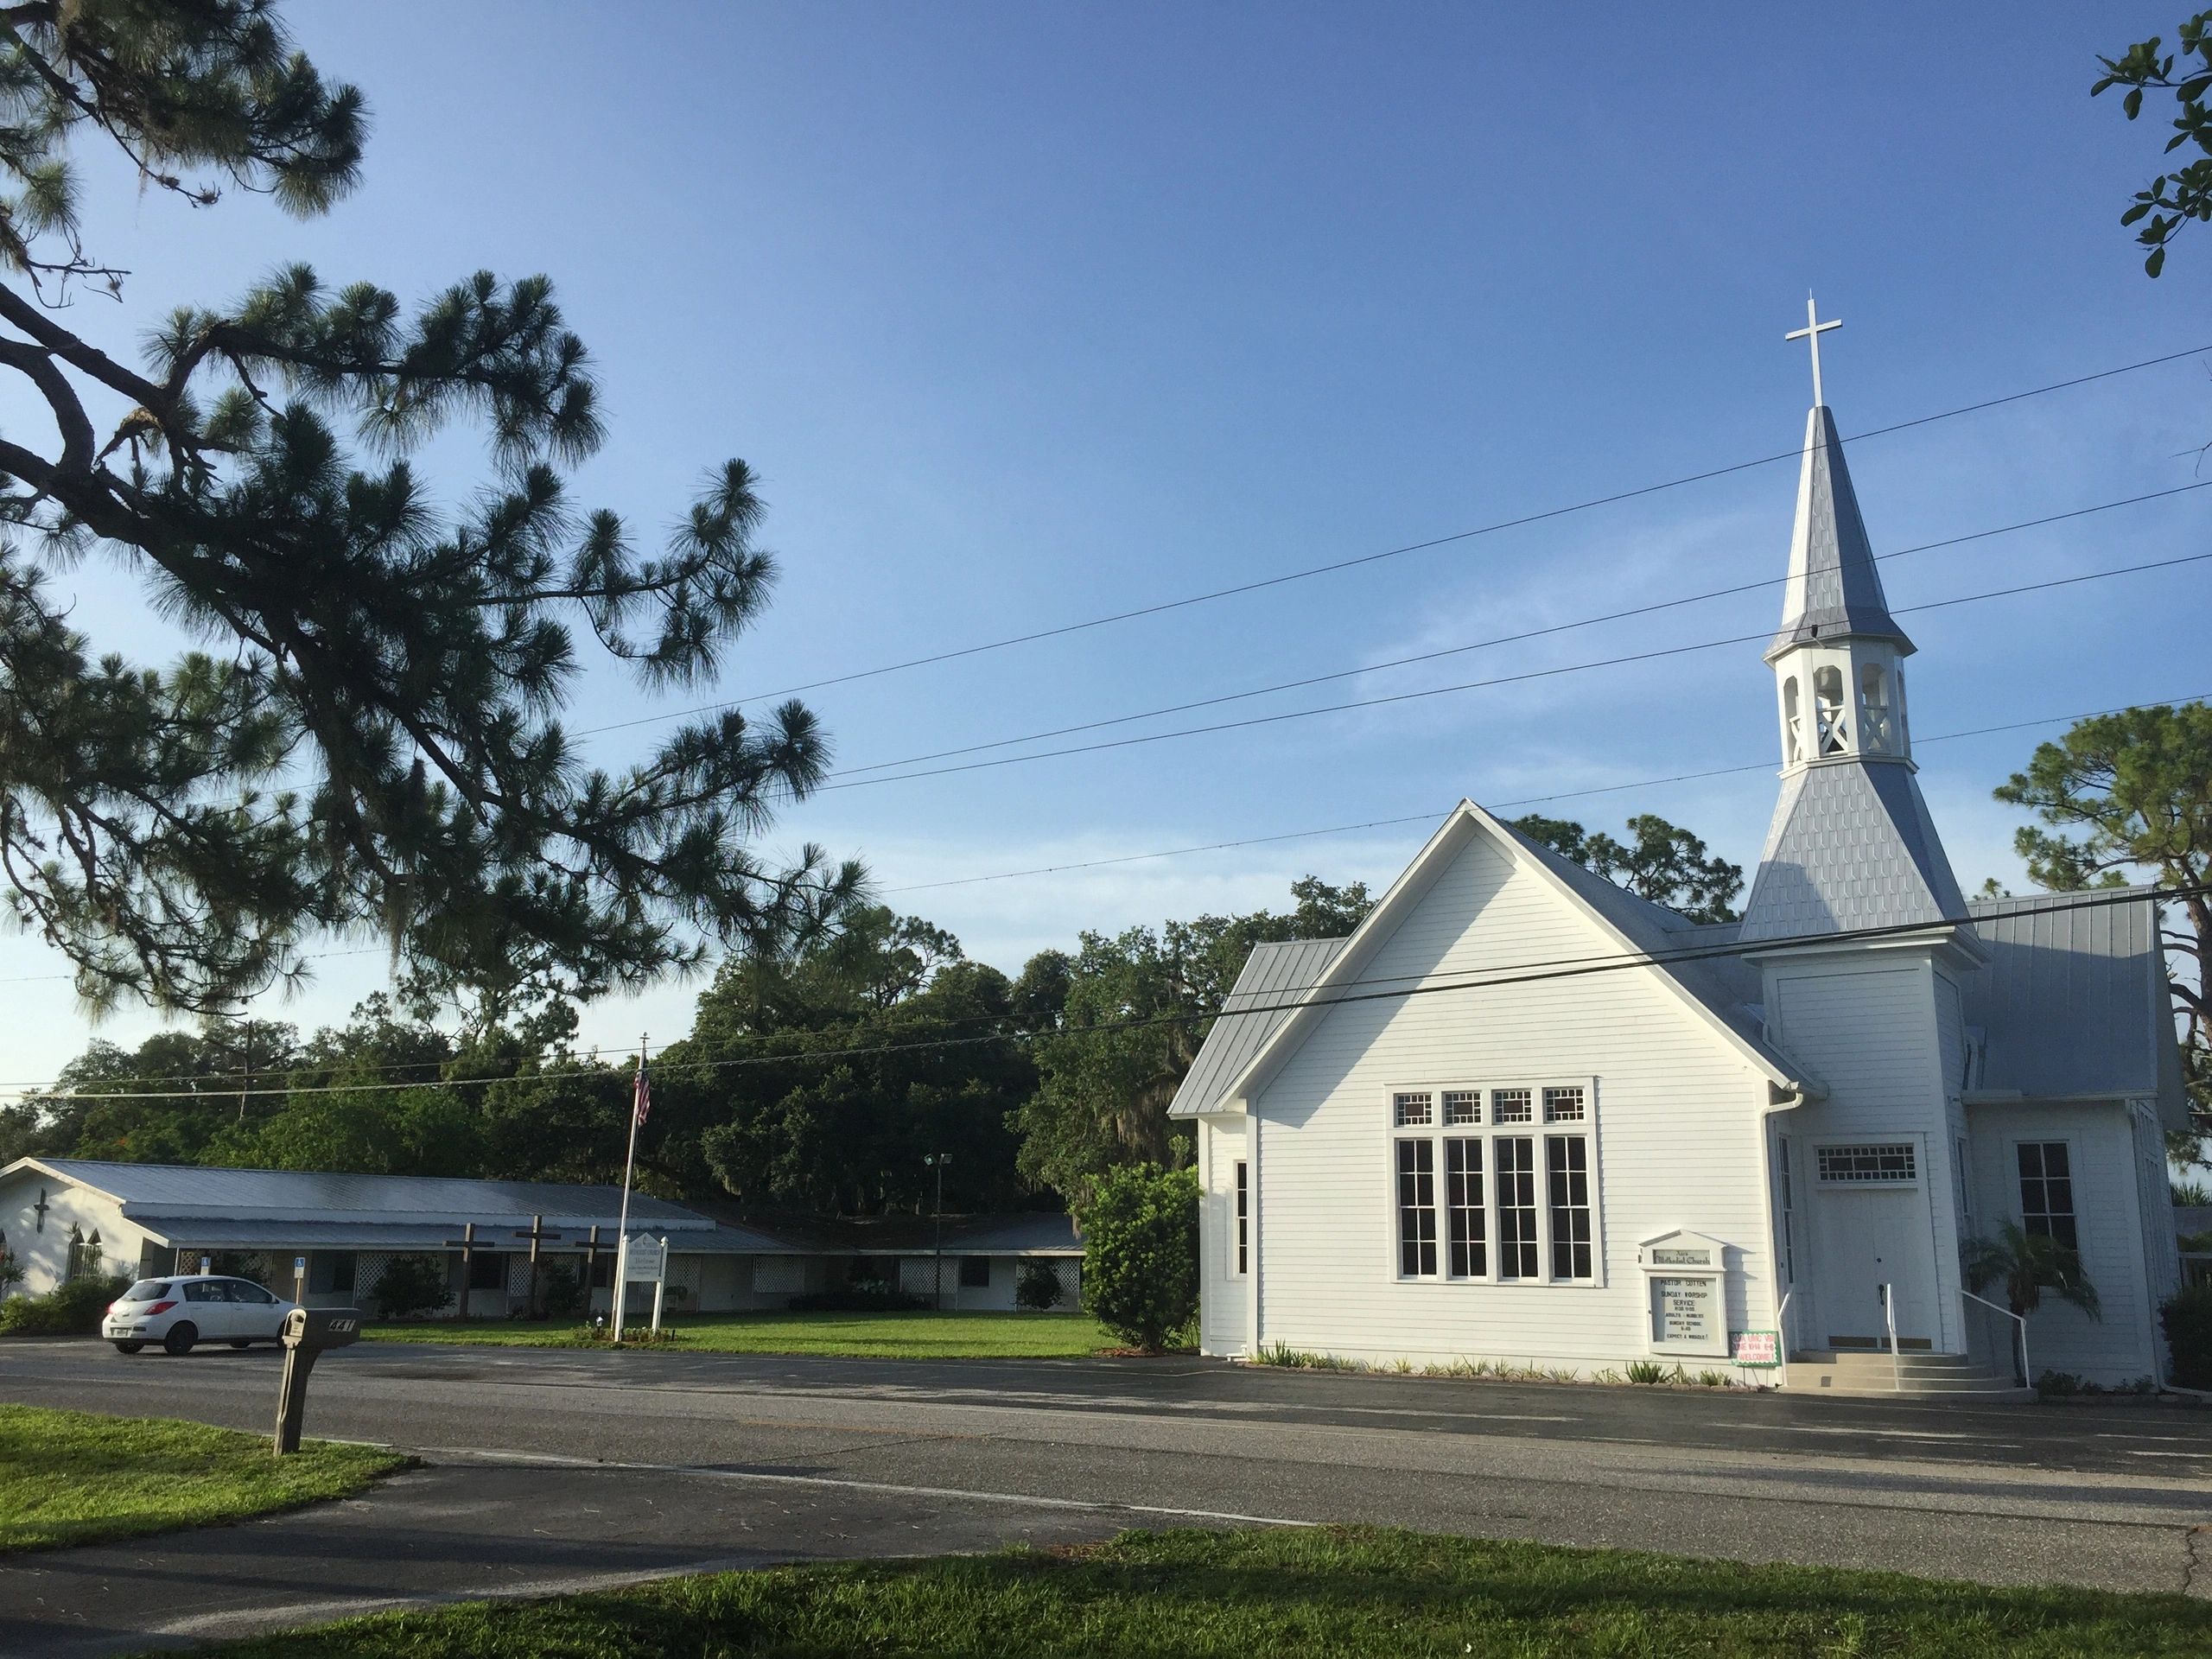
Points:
(1519, 973)
(1525, 800)
(1622, 660)
(1506, 638)
(222, 1083)
(225, 1078)
(1492, 529)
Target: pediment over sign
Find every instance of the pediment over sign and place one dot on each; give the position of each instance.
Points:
(1682, 1249)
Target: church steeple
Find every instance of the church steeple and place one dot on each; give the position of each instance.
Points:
(1837, 653)
(1835, 587)
(1851, 845)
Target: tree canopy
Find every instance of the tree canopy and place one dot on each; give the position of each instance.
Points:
(2124, 796)
(1662, 862)
(2172, 200)
(1102, 1093)
(371, 741)
(820, 1080)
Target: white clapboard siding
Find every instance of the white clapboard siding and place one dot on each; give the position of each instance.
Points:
(1676, 1128)
(2100, 1140)
(1869, 1031)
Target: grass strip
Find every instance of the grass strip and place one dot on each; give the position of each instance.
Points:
(865, 1336)
(1283, 1593)
(72, 1477)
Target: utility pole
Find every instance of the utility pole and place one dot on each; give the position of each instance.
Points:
(937, 1160)
(245, 1071)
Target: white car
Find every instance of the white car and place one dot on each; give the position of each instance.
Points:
(188, 1308)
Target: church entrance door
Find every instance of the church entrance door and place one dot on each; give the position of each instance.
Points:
(1871, 1233)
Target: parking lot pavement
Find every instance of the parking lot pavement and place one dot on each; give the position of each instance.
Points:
(547, 1465)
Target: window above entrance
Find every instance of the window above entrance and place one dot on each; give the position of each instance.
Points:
(1891, 1161)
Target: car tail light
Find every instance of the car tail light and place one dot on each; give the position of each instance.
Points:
(158, 1307)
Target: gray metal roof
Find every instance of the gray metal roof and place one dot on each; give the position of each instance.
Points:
(1834, 586)
(2191, 1219)
(2074, 1001)
(187, 1190)
(1041, 1234)
(1044, 1233)
(222, 1232)
(1274, 974)
(1851, 846)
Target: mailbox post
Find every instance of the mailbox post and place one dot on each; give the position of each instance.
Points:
(309, 1331)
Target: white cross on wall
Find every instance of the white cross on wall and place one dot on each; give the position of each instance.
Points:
(1813, 330)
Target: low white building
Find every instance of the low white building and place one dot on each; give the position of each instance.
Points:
(63, 1217)
(1523, 1115)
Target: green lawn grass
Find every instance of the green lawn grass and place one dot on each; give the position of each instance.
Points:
(71, 1478)
(1282, 1594)
(877, 1336)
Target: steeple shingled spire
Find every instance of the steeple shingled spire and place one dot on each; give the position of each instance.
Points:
(1834, 586)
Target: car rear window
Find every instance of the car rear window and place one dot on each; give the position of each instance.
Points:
(147, 1290)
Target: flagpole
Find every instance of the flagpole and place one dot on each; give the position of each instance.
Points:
(622, 1228)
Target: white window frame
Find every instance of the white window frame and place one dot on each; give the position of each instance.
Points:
(1909, 1139)
(1785, 1206)
(1487, 1131)
(2017, 1206)
(1398, 1143)
(1588, 1206)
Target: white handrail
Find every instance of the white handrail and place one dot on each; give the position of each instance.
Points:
(1890, 1318)
(1782, 1333)
(2026, 1375)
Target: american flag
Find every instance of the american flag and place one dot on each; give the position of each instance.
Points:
(645, 1103)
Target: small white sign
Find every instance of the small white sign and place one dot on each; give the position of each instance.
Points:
(645, 1259)
(299, 1266)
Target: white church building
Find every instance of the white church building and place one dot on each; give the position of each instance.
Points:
(1523, 1115)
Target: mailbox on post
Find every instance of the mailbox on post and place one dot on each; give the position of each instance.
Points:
(309, 1331)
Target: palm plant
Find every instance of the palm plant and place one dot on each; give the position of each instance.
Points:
(2028, 1264)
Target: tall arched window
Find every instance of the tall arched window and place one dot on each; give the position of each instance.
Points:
(1828, 709)
(1793, 726)
(1874, 724)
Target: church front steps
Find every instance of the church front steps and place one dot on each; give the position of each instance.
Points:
(1928, 1376)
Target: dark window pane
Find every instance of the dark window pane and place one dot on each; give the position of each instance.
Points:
(1417, 1208)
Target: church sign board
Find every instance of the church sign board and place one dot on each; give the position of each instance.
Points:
(1684, 1295)
(645, 1259)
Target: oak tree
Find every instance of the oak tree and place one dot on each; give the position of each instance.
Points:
(1663, 862)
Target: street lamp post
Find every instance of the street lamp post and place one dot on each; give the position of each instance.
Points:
(937, 1160)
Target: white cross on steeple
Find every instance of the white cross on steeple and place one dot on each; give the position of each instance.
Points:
(1813, 330)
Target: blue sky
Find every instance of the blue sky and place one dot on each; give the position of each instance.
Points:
(1027, 314)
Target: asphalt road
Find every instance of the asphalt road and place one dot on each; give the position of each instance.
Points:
(554, 1469)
